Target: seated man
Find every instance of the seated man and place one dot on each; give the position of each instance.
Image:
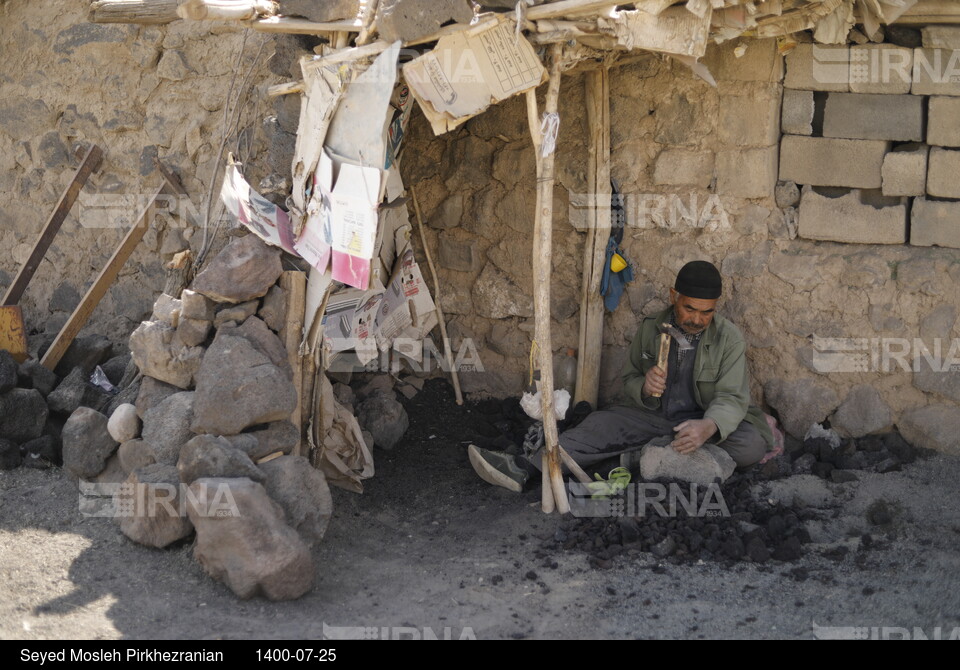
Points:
(703, 396)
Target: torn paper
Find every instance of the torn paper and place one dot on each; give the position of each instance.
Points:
(261, 216)
(465, 73)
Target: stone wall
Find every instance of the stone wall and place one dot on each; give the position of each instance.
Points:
(138, 92)
(699, 167)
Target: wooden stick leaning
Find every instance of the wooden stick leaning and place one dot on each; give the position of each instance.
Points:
(542, 265)
(447, 353)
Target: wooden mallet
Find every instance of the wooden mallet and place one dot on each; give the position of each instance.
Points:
(666, 332)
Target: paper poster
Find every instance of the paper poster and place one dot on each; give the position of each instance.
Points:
(465, 73)
(261, 216)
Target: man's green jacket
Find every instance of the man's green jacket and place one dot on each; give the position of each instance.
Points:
(721, 388)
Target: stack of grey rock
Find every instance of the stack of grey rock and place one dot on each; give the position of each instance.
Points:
(206, 446)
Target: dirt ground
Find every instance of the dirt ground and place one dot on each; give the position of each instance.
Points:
(430, 547)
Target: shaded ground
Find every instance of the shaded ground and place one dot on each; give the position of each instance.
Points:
(429, 545)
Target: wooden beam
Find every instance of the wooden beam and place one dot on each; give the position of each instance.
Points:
(294, 283)
(555, 10)
(598, 232)
(134, 11)
(283, 24)
(931, 11)
(225, 10)
(90, 164)
(99, 287)
(553, 485)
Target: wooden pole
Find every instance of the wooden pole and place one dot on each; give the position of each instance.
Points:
(134, 11)
(291, 26)
(598, 232)
(103, 282)
(294, 283)
(90, 164)
(447, 353)
(555, 10)
(225, 10)
(542, 266)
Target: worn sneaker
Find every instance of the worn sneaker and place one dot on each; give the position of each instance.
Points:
(497, 468)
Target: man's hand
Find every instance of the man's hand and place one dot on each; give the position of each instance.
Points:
(655, 381)
(692, 434)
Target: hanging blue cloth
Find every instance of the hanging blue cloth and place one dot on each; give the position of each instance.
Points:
(613, 283)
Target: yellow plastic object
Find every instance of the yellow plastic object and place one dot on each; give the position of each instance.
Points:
(13, 338)
(617, 263)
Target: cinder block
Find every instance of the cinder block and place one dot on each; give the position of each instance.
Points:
(761, 61)
(905, 170)
(747, 173)
(749, 115)
(849, 219)
(818, 67)
(936, 72)
(864, 116)
(943, 122)
(941, 37)
(823, 161)
(942, 171)
(935, 223)
(881, 68)
(797, 115)
(681, 167)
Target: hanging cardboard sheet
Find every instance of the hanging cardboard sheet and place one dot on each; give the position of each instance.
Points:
(673, 31)
(465, 73)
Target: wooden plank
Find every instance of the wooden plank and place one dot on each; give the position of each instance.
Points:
(90, 164)
(598, 232)
(99, 287)
(134, 11)
(555, 10)
(294, 283)
(12, 335)
(292, 26)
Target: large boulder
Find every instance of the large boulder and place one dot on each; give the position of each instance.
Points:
(209, 456)
(658, 460)
(303, 493)
(160, 355)
(152, 510)
(934, 427)
(23, 414)
(32, 375)
(862, 412)
(800, 403)
(385, 418)
(244, 380)
(86, 444)
(8, 372)
(152, 393)
(85, 352)
(245, 269)
(166, 427)
(9, 455)
(243, 540)
(135, 454)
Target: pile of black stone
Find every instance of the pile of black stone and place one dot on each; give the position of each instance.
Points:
(36, 402)
(720, 522)
(839, 460)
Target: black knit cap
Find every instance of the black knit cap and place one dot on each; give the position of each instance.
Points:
(699, 279)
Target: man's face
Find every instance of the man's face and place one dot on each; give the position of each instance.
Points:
(693, 314)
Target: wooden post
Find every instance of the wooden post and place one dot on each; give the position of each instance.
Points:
(294, 283)
(542, 266)
(99, 287)
(134, 11)
(90, 164)
(598, 232)
(447, 353)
